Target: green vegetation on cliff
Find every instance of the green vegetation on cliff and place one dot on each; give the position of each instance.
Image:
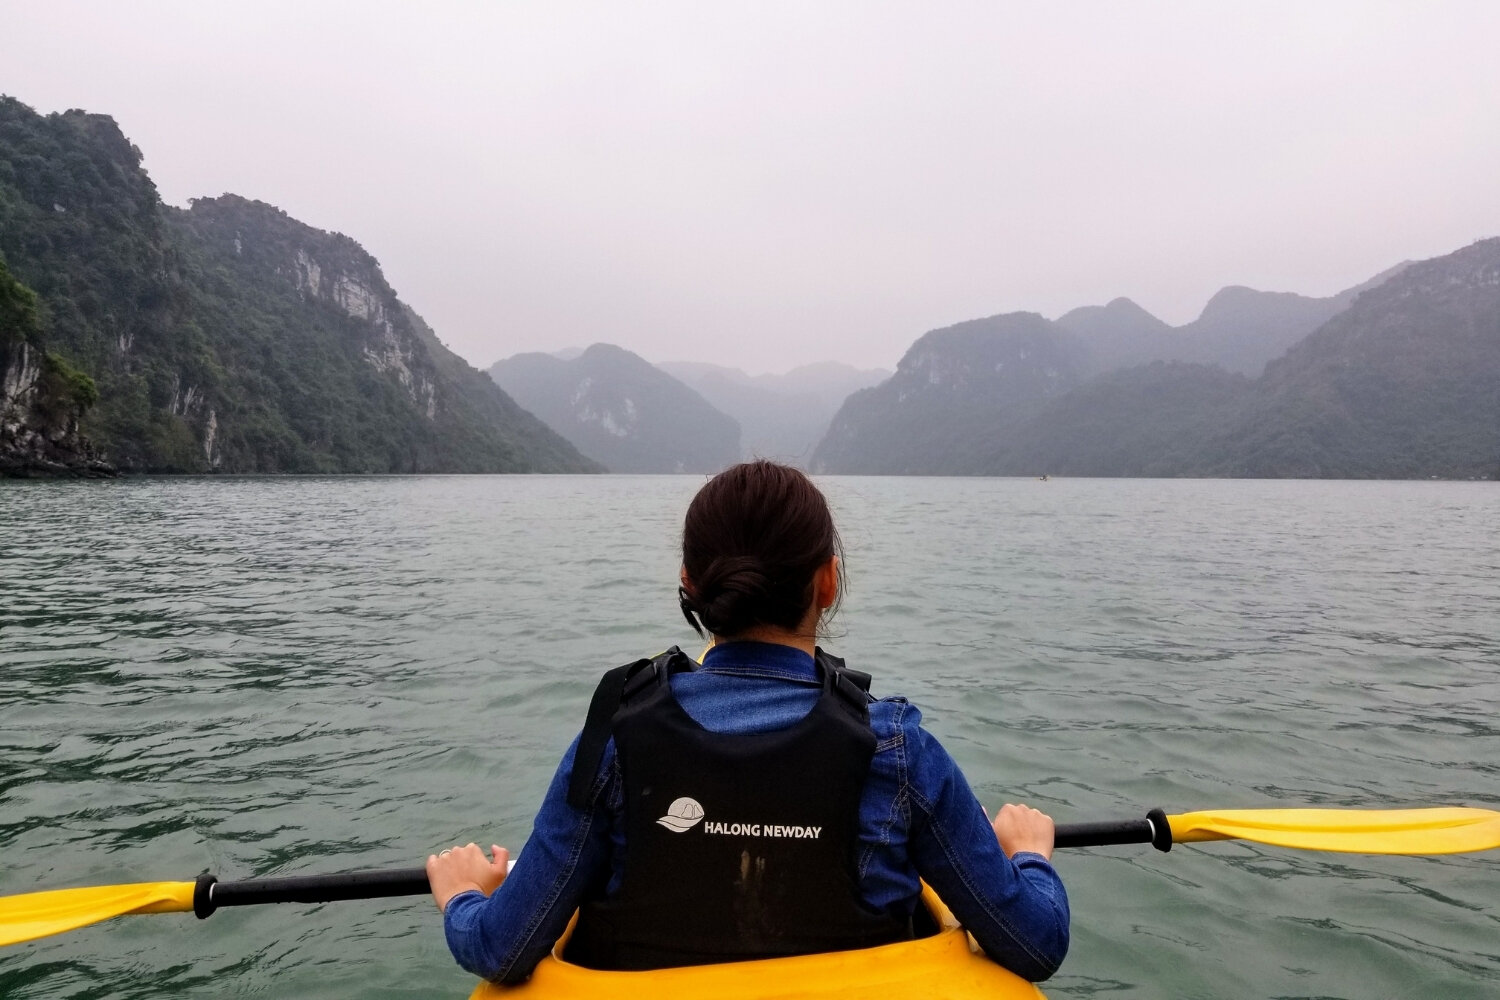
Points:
(19, 323)
(42, 396)
(230, 337)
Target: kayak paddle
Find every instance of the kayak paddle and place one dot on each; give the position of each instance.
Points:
(39, 914)
(1352, 831)
(1359, 831)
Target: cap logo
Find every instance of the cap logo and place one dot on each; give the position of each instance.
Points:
(682, 815)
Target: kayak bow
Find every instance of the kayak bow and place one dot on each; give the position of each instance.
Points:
(944, 966)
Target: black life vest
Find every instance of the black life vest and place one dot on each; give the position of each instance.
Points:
(737, 846)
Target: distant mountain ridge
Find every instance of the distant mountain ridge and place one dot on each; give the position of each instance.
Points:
(781, 417)
(1240, 329)
(1397, 382)
(621, 411)
(230, 337)
(1118, 335)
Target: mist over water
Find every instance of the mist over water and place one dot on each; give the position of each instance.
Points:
(279, 676)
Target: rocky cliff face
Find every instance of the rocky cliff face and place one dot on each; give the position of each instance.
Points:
(364, 295)
(41, 397)
(327, 271)
(39, 432)
(361, 381)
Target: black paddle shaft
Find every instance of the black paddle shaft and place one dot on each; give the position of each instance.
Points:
(209, 894)
(1153, 830)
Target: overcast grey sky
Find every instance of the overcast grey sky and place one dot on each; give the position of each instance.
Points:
(769, 184)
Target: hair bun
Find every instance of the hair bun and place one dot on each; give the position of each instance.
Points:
(753, 538)
(733, 594)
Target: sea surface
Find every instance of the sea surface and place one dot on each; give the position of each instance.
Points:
(271, 676)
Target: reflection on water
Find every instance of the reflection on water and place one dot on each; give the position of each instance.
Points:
(269, 676)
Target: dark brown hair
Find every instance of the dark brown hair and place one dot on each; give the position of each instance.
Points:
(753, 538)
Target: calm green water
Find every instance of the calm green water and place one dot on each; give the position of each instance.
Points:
(274, 676)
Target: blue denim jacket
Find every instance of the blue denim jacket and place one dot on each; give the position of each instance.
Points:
(917, 820)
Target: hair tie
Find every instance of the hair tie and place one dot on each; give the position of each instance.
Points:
(685, 602)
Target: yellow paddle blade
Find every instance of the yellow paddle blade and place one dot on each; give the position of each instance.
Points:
(1355, 831)
(38, 914)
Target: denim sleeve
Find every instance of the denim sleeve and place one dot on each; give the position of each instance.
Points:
(1015, 907)
(503, 936)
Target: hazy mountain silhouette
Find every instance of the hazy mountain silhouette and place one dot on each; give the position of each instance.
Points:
(780, 416)
(622, 411)
(1399, 381)
(1403, 384)
(1240, 329)
(954, 396)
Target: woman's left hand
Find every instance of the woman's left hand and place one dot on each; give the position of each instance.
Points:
(460, 869)
(1022, 828)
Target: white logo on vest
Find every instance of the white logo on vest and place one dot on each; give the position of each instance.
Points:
(682, 815)
(685, 813)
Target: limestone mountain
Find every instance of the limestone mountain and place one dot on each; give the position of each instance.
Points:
(781, 417)
(622, 411)
(1240, 329)
(1398, 383)
(955, 395)
(1118, 335)
(228, 336)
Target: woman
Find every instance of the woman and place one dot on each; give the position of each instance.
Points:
(770, 806)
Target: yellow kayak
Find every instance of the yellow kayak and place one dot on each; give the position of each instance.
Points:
(946, 966)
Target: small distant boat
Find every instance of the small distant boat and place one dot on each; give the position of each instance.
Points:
(1043, 478)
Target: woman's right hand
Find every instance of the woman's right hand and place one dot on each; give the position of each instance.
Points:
(461, 869)
(1022, 828)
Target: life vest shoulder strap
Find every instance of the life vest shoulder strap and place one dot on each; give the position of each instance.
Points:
(614, 689)
(852, 686)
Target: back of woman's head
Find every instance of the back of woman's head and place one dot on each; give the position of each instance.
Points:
(751, 542)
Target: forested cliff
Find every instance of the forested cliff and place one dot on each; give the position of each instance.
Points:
(228, 336)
